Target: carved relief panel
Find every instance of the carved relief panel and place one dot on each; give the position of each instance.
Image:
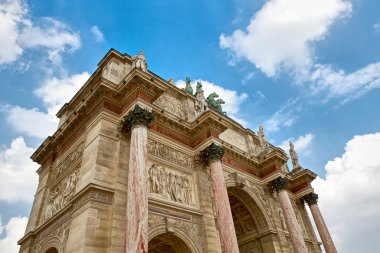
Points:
(60, 195)
(171, 104)
(172, 185)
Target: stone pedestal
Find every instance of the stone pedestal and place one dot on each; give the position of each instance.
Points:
(136, 232)
(312, 199)
(212, 156)
(294, 229)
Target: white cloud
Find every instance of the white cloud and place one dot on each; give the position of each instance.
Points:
(231, 97)
(376, 26)
(39, 124)
(281, 33)
(17, 172)
(337, 84)
(301, 144)
(281, 38)
(349, 196)
(286, 116)
(19, 33)
(54, 92)
(11, 233)
(99, 37)
(11, 14)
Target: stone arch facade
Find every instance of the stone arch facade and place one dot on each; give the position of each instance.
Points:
(180, 237)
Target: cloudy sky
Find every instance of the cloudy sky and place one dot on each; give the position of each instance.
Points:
(308, 70)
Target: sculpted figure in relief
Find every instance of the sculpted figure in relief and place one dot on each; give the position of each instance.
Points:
(139, 61)
(170, 185)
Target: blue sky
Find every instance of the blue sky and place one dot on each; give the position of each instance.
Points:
(308, 70)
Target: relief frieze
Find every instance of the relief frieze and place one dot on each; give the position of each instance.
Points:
(60, 195)
(170, 185)
(165, 152)
(69, 160)
(171, 104)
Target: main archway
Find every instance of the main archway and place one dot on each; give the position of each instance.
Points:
(167, 243)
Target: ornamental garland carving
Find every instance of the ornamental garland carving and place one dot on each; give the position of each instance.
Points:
(170, 185)
(170, 154)
(60, 195)
(171, 104)
(67, 161)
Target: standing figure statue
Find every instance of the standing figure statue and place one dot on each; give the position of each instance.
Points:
(200, 102)
(293, 155)
(262, 137)
(139, 61)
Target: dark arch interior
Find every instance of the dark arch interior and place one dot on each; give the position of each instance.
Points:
(52, 250)
(167, 243)
(245, 222)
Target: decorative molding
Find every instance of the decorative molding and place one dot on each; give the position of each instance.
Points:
(171, 104)
(61, 233)
(170, 154)
(310, 199)
(137, 117)
(251, 246)
(92, 193)
(170, 185)
(279, 184)
(212, 153)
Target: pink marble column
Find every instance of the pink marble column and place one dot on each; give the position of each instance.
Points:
(280, 185)
(324, 233)
(212, 155)
(136, 230)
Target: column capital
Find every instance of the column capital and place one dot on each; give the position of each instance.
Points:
(137, 116)
(311, 198)
(279, 184)
(211, 153)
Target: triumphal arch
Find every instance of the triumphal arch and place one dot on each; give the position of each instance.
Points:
(139, 165)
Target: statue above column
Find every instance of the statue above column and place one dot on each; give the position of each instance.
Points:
(137, 116)
(200, 103)
(139, 61)
(294, 157)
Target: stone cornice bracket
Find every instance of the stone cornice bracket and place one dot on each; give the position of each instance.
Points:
(278, 184)
(212, 153)
(137, 117)
(310, 199)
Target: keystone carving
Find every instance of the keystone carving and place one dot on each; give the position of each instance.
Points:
(137, 117)
(212, 153)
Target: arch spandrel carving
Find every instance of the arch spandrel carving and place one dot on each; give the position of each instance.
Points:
(189, 234)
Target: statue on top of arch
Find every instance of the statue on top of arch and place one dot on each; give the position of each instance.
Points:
(215, 103)
(139, 61)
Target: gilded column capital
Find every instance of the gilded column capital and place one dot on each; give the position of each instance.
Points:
(137, 117)
(311, 198)
(212, 153)
(279, 184)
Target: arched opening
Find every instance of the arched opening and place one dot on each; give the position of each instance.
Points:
(52, 250)
(248, 220)
(167, 243)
